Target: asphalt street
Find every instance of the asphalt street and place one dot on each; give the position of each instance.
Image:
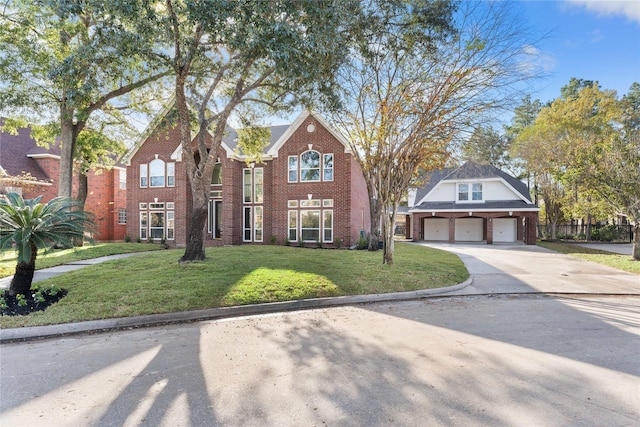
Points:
(501, 354)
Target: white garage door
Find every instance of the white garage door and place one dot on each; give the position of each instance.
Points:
(436, 229)
(504, 230)
(469, 229)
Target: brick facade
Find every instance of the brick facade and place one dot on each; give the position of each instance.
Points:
(342, 202)
(20, 154)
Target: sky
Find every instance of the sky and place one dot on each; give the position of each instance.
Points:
(595, 40)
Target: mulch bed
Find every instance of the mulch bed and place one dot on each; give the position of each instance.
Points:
(11, 307)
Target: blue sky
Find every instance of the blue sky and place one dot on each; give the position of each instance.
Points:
(590, 39)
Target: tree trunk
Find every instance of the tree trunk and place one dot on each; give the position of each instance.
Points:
(23, 278)
(67, 146)
(635, 251)
(374, 231)
(387, 233)
(83, 190)
(194, 250)
(588, 232)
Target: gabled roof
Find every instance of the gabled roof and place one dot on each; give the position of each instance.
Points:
(16, 152)
(275, 147)
(279, 135)
(471, 171)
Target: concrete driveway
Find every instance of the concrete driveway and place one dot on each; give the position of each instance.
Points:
(520, 268)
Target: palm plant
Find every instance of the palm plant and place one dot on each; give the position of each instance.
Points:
(29, 225)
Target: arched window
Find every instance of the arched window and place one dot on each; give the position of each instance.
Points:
(156, 173)
(310, 166)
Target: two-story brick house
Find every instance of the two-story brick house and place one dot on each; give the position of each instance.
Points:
(308, 188)
(32, 171)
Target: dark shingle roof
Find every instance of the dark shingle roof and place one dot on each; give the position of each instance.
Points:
(471, 171)
(231, 136)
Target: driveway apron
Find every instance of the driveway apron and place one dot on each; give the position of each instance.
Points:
(519, 268)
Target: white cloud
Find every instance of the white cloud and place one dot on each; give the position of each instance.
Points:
(628, 8)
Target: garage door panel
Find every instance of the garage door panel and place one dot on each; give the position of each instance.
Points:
(469, 229)
(504, 230)
(436, 229)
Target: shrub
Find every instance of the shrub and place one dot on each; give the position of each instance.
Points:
(363, 243)
(287, 242)
(274, 240)
(127, 238)
(338, 243)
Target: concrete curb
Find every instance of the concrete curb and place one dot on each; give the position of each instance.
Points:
(67, 329)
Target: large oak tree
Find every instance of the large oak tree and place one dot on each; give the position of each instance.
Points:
(227, 55)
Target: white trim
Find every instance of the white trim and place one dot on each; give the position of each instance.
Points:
(507, 210)
(43, 156)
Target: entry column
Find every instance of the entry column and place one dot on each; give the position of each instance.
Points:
(452, 230)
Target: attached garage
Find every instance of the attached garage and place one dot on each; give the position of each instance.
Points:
(436, 229)
(504, 230)
(469, 230)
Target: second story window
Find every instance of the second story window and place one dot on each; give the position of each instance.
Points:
(247, 185)
(157, 173)
(310, 166)
(216, 178)
(470, 192)
(314, 167)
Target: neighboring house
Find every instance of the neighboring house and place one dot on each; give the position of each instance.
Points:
(308, 188)
(32, 171)
(472, 203)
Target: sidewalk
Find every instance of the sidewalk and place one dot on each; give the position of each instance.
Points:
(47, 273)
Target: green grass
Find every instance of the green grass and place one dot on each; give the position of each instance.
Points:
(54, 257)
(157, 283)
(621, 262)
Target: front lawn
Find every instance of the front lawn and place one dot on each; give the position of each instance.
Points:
(54, 257)
(621, 262)
(156, 283)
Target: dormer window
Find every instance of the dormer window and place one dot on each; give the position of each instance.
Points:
(470, 192)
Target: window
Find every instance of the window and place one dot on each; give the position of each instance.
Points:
(327, 167)
(327, 203)
(293, 168)
(310, 166)
(327, 226)
(463, 192)
(293, 226)
(310, 225)
(246, 225)
(122, 216)
(122, 178)
(258, 186)
(171, 225)
(156, 173)
(143, 225)
(476, 191)
(171, 174)
(156, 225)
(143, 176)
(216, 178)
(257, 224)
(292, 203)
(470, 192)
(247, 187)
(309, 203)
(313, 167)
